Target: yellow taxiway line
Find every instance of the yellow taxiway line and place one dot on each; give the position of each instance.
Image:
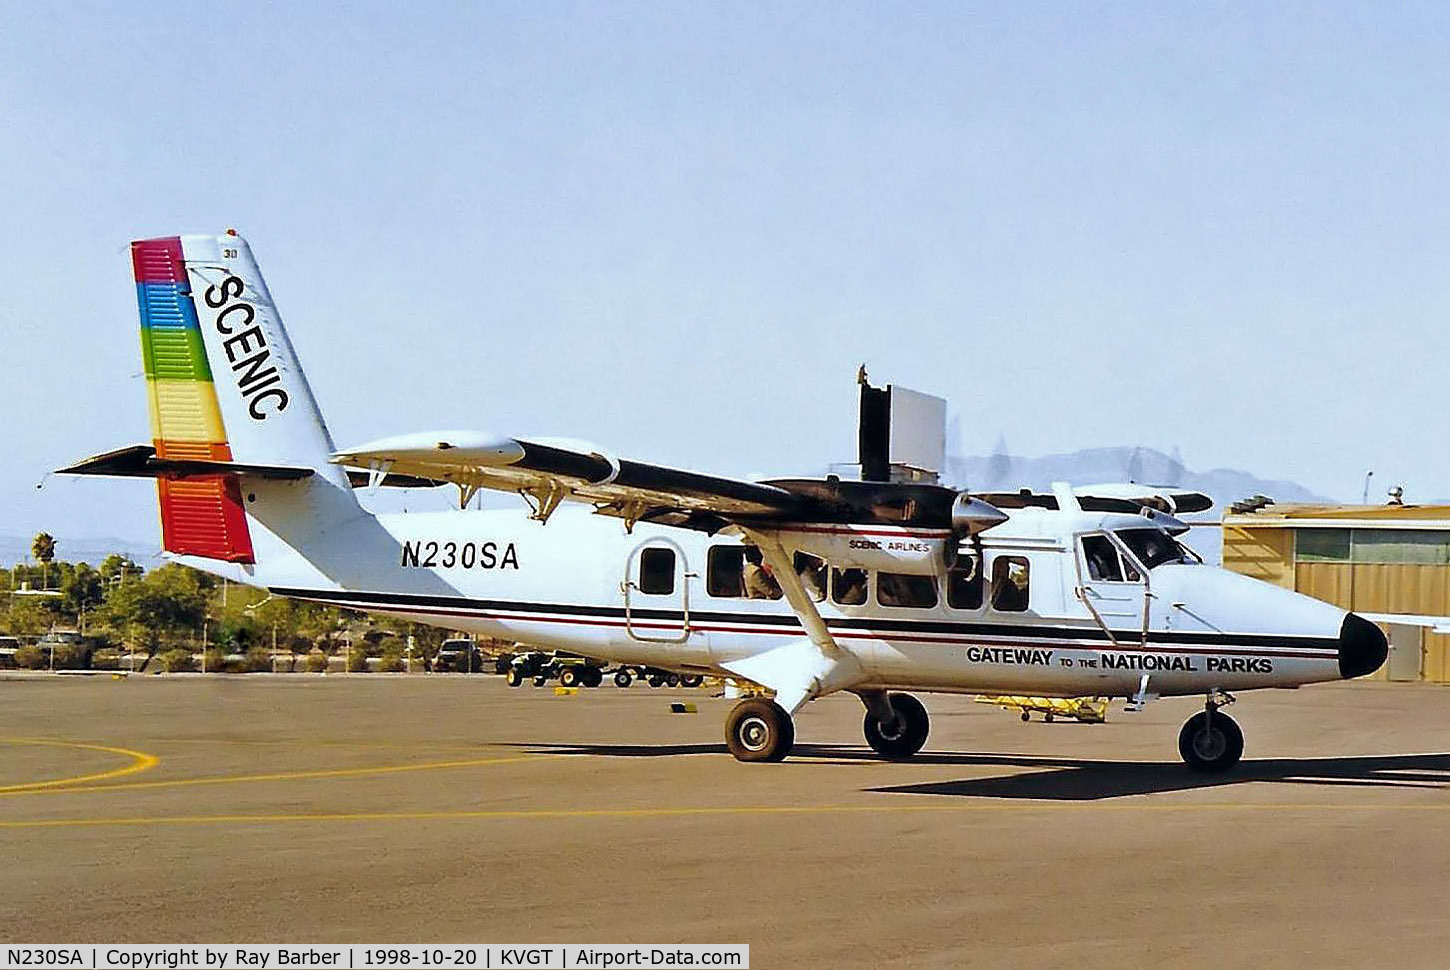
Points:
(71, 786)
(703, 811)
(140, 761)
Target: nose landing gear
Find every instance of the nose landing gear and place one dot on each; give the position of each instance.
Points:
(1211, 741)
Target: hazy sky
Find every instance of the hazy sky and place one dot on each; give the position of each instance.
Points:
(676, 229)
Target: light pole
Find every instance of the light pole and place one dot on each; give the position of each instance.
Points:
(1364, 500)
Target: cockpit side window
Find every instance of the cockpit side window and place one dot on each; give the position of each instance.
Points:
(1010, 580)
(1103, 562)
(1154, 547)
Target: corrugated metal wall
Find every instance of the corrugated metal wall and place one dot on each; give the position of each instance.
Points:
(1266, 554)
(1437, 657)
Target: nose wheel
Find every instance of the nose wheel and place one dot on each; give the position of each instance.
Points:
(1211, 741)
(759, 730)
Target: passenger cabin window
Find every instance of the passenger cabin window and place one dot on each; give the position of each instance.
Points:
(848, 586)
(899, 589)
(760, 583)
(964, 585)
(1010, 576)
(1103, 562)
(812, 573)
(725, 571)
(657, 571)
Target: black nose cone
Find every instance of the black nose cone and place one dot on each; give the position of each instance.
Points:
(1362, 647)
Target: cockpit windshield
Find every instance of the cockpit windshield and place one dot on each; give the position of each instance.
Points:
(1154, 547)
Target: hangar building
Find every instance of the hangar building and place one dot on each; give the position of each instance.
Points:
(1370, 559)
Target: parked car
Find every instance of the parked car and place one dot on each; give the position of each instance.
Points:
(460, 655)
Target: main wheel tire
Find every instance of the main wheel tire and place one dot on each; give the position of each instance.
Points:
(655, 681)
(759, 730)
(691, 680)
(593, 676)
(513, 677)
(540, 680)
(673, 680)
(622, 678)
(905, 737)
(1211, 745)
(570, 677)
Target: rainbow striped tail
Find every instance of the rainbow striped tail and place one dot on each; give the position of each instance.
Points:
(200, 515)
(240, 448)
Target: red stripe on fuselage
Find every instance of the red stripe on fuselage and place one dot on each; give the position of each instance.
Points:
(945, 639)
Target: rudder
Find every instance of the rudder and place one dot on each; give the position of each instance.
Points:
(224, 384)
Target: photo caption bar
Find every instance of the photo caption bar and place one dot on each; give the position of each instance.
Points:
(446, 956)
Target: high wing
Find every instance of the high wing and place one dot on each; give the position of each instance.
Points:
(1127, 497)
(1164, 498)
(549, 471)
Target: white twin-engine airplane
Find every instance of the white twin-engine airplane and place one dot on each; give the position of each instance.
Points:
(803, 586)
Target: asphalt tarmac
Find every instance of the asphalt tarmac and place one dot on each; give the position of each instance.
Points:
(450, 808)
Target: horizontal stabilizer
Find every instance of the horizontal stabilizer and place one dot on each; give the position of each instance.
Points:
(140, 461)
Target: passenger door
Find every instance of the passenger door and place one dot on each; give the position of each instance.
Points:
(656, 592)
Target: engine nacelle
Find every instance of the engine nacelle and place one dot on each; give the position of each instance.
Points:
(916, 550)
(894, 549)
(972, 515)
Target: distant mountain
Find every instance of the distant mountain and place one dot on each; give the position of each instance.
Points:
(16, 549)
(1001, 472)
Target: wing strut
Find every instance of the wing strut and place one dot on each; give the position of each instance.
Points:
(804, 669)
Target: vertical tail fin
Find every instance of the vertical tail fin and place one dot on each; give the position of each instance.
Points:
(224, 383)
(199, 516)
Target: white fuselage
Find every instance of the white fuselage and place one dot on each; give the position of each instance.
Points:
(575, 585)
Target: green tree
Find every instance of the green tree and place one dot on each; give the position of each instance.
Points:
(42, 547)
(164, 607)
(426, 641)
(81, 591)
(116, 569)
(28, 616)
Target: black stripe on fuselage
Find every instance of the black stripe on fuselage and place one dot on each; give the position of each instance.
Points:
(789, 622)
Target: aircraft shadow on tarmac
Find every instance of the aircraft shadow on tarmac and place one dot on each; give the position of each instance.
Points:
(1072, 779)
(1067, 779)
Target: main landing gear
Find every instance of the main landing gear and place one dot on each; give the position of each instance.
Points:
(896, 725)
(759, 729)
(1211, 741)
